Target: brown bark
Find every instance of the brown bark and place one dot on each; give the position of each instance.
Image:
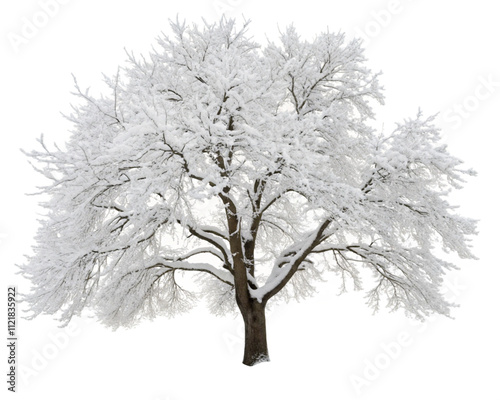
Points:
(255, 333)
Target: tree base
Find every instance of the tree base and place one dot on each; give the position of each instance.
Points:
(261, 358)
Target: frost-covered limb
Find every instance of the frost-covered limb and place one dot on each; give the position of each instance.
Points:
(141, 292)
(86, 96)
(407, 266)
(215, 237)
(179, 263)
(288, 263)
(201, 250)
(342, 264)
(325, 71)
(405, 276)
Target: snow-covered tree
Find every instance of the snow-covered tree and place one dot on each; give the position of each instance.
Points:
(252, 169)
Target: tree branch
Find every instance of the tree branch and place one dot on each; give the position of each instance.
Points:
(213, 236)
(164, 262)
(289, 262)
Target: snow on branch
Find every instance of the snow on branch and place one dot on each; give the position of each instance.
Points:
(178, 263)
(150, 290)
(215, 237)
(287, 264)
(406, 277)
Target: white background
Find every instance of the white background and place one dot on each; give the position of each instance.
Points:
(440, 57)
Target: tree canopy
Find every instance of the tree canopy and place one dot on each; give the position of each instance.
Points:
(252, 168)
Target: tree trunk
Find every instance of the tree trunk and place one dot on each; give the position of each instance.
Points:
(255, 334)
